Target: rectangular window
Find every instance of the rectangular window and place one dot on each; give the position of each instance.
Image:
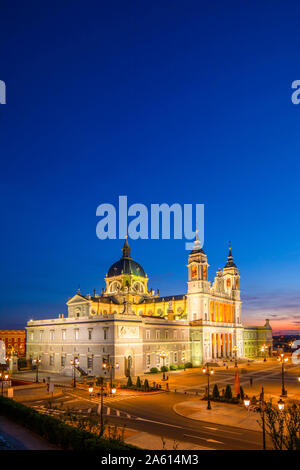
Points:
(63, 335)
(148, 359)
(89, 362)
(105, 333)
(51, 359)
(175, 356)
(41, 335)
(31, 336)
(90, 333)
(182, 356)
(157, 334)
(147, 334)
(175, 334)
(76, 334)
(157, 359)
(166, 334)
(52, 335)
(63, 361)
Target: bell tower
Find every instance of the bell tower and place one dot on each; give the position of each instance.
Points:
(231, 278)
(198, 284)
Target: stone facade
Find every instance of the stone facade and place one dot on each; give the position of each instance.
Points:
(130, 326)
(14, 341)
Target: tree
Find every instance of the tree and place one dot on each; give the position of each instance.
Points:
(283, 426)
(216, 393)
(242, 394)
(146, 386)
(138, 382)
(228, 393)
(129, 382)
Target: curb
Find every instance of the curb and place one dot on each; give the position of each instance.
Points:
(211, 422)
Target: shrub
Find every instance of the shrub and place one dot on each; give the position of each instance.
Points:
(63, 435)
(228, 393)
(216, 393)
(138, 382)
(164, 368)
(188, 365)
(146, 386)
(129, 382)
(180, 366)
(173, 367)
(242, 394)
(154, 370)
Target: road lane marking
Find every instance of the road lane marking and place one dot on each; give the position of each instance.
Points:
(158, 422)
(203, 438)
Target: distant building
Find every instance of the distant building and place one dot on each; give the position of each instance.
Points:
(14, 341)
(131, 325)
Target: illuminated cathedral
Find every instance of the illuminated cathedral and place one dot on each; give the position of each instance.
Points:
(135, 329)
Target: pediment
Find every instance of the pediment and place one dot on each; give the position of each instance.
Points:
(78, 299)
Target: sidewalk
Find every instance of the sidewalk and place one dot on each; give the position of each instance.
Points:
(225, 414)
(148, 441)
(34, 392)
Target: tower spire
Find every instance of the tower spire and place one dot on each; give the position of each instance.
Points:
(230, 263)
(197, 244)
(126, 249)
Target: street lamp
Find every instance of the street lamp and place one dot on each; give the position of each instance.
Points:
(246, 401)
(264, 350)
(207, 371)
(75, 363)
(101, 404)
(113, 391)
(298, 378)
(262, 405)
(91, 389)
(235, 350)
(283, 360)
(163, 356)
(280, 404)
(37, 362)
(4, 377)
(110, 366)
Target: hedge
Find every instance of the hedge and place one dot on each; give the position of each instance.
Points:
(58, 433)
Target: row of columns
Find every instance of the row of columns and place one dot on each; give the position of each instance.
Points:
(221, 344)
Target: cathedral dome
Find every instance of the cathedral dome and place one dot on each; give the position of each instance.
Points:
(126, 265)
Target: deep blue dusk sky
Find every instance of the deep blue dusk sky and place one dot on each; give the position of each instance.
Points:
(162, 101)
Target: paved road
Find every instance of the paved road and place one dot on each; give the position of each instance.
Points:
(154, 414)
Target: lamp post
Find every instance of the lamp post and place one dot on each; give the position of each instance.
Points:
(110, 366)
(163, 356)
(4, 377)
(235, 350)
(280, 404)
(37, 362)
(247, 402)
(75, 363)
(264, 350)
(298, 378)
(207, 371)
(283, 360)
(262, 404)
(101, 409)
